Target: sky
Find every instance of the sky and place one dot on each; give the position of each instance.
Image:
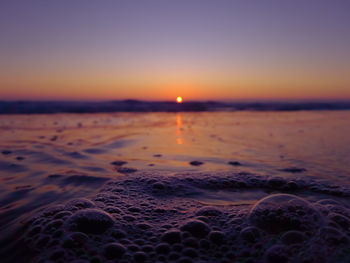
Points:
(160, 49)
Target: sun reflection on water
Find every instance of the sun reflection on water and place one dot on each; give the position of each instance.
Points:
(178, 129)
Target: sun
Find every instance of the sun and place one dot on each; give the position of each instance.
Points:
(179, 99)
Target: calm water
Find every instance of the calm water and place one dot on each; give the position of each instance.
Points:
(51, 158)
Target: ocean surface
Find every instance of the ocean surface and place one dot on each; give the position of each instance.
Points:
(33, 107)
(48, 159)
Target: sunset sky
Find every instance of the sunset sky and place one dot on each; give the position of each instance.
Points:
(158, 50)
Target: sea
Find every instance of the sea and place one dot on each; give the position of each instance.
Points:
(50, 158)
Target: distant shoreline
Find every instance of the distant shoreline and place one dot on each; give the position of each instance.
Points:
(49, 107)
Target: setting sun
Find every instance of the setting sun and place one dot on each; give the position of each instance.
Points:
(179, 99)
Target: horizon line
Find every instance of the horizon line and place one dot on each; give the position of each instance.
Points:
(262, 100)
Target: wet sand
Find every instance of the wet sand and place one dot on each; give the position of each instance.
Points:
(176, 187)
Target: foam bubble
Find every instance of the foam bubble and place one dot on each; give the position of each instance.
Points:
(90, 221)
(282, 212)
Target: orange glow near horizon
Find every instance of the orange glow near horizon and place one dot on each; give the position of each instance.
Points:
(275, 86)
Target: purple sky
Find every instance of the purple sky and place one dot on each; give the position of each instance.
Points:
(159, 49)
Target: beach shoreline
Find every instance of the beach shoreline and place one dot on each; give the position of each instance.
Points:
(142, 175)
(155, 218)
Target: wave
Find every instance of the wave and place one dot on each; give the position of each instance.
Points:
(47, 107)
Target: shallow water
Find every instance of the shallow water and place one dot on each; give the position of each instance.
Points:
(49, 159)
